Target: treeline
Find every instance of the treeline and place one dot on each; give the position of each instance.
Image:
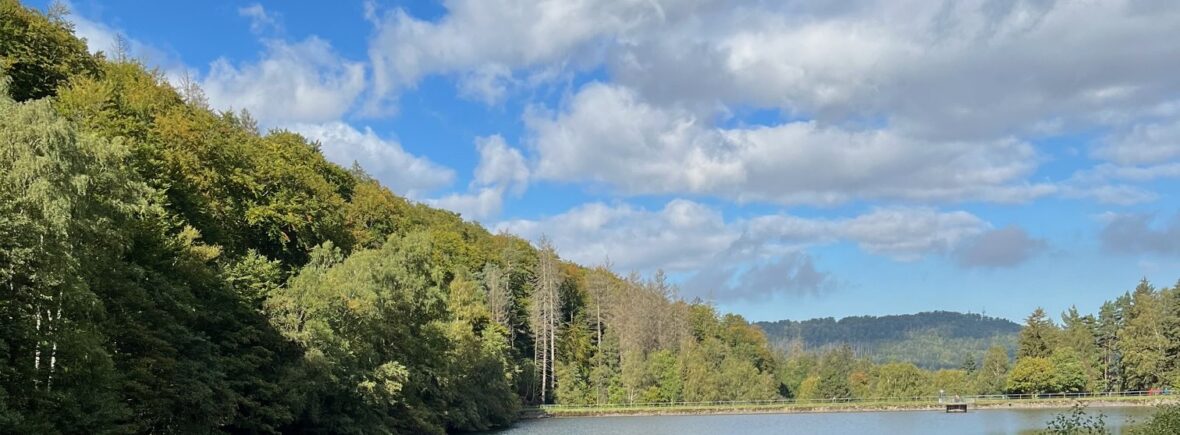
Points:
(931, 340)
(1132, 344)
(168, 268)
(841, 374)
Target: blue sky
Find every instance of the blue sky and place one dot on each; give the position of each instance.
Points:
(790, 159)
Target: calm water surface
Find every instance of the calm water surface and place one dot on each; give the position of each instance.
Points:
(997, 421)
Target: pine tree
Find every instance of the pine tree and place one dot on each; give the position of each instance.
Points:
(1038, 337)
(1142, 342)
(968, 364)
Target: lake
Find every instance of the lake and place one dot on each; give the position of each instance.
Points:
(990, 421)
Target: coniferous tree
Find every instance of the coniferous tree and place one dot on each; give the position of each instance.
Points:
(1142, 341)
(1039, 336)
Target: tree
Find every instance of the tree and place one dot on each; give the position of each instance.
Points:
(834, 369)
(1110, 322)
(953, 382)
(545, 315)
(1031, 375)
(1079, 334)
(991, 377)
(900, 381)
(499, 295)
(1142, 342)
(39, 53)
(61, 201)
(968, 364)
(1069, 373)
(1038, 337)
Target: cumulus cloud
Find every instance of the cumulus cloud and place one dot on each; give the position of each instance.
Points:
(1004, 247)
(902, 233)
(868, 76)
(606, 134)
(905, 61)
(477, 33)
(482, 203)
(501, 170)
(302, 82)
(1137, 234)
(397, 169)
(742, 259)
(790, 274)
(500, 165)
(681, 236)
(488, 84)
(1151, 143)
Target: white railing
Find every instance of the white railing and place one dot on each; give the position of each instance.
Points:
(932, 400)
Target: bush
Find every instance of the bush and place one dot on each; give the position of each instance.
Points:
(1076, 421)
(1165, 421)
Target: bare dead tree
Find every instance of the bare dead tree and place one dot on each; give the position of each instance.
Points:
(545, 313)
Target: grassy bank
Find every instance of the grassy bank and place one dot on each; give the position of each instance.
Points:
(859, 406)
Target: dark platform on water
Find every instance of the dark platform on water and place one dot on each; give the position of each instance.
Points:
(956, 407)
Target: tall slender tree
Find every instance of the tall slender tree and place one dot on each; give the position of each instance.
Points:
(545, 313)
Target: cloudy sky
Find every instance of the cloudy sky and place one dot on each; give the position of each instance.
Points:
(784, 159)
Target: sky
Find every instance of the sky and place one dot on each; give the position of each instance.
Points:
(781, 159)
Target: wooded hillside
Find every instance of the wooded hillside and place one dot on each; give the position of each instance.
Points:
(932, 340)
(168, 268)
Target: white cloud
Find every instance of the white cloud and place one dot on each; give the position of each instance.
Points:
(500, 165)
(501, 171)
(742, 258)
(682, 236)
(101, 37)
(261, 21)
(476, 33)
(903, 61)
(397, 169)
(606, 134)
(292, 83)
(488, 84)
(482, 203)
(1148, 143)
(902, 233)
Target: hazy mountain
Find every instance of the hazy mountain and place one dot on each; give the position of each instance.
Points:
(939, 339)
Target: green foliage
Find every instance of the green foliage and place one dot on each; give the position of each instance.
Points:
(1077, 421)
(954, 382)
(39, 53)
(1032, 375)
(932, 340)
(1069, 374)
(900, 380)
(1039, 336)
(1165, 421)
(834, 370)
(991, 378)
(1142, 343)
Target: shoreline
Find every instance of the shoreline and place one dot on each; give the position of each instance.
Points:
(849, 408)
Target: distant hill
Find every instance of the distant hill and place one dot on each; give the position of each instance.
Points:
(938, 339)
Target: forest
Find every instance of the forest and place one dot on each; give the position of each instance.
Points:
(1132, 344)
(168, 268)
(931, 340)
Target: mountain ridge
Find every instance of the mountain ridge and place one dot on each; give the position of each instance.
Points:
(929, 339)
